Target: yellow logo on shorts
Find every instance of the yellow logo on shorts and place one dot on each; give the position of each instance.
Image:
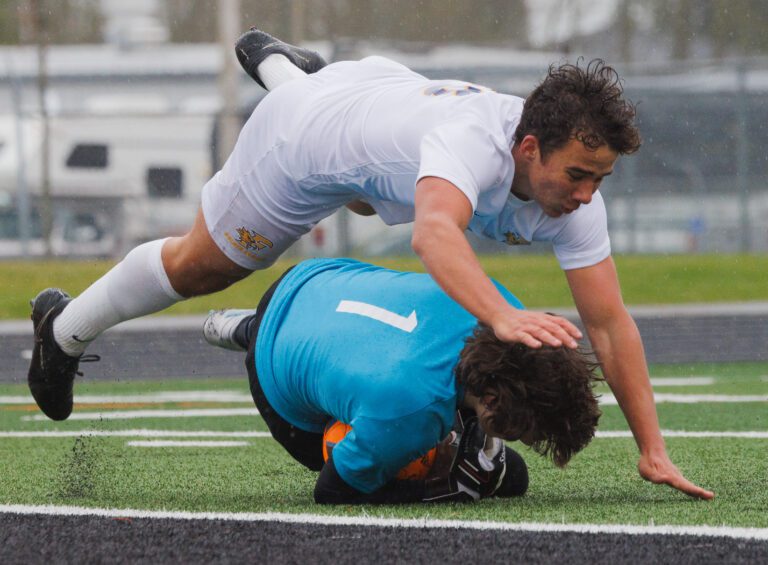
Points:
(251, 240)
(514, 238)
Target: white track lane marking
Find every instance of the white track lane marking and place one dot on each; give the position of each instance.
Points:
(133, 414)
(680, 433)
(707, 531)
(682, 381)
(149, 398)
(669, 398)
(170, 443)
(135, 433)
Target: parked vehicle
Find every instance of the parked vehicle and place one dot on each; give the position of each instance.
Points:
(115, 180)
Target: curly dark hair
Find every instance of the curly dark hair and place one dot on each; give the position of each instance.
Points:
(546, 393)
(583, 103)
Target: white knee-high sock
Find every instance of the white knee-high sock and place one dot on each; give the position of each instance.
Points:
(276, 69)
(136, 286)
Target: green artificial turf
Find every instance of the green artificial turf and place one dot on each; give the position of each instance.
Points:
(599, 486)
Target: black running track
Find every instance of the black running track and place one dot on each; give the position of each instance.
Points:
(163, 348)
(159, 348)
(85, 539)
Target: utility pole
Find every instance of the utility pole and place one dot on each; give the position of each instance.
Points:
(742, 157)
(297, 21)
(22, 190)
(229, 124)
(626, 30)
(40, 17)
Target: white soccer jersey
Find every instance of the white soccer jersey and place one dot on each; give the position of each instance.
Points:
(370, 130)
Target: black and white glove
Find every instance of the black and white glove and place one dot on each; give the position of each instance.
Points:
(477, 469)
(480, 462)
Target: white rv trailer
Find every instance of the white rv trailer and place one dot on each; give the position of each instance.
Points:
(116, 179)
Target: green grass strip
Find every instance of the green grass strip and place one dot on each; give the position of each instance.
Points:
(536, 280)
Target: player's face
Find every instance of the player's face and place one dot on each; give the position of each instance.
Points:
(488, 404)
(568, 177)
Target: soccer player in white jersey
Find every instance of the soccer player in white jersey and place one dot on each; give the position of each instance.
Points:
(447, 155)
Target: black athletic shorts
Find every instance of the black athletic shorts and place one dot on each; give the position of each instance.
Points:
(305, 447)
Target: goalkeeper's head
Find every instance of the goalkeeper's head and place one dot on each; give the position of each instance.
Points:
(543, 397)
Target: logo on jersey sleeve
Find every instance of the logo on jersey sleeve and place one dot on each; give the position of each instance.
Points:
(514, 238)
(454, 90)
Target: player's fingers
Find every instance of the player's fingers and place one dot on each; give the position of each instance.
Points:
(684, 485)
(548, 338)
(554, 334)
(569, 327)
(529, 340)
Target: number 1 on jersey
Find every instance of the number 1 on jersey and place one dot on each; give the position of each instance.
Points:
(406, 324)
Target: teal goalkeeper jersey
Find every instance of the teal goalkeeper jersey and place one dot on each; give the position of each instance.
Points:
(370, 347)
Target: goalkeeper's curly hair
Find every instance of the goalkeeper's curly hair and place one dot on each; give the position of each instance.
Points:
(547, 392)
(584, 103)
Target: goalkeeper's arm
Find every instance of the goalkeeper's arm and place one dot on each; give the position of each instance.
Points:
(474, 472)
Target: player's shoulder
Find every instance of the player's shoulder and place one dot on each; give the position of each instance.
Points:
(380, 67)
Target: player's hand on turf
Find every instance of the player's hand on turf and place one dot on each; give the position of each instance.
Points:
(659, 469)
(535, 329)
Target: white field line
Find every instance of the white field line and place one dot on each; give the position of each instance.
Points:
(681, 433)
(134, 414)
(212, 434)
(627, 529)
(149, 398)
(135, 433)
(682, 381)
(170, 443)
(608, 399)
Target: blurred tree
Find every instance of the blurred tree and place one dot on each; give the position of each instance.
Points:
(73, 21)
(480, 21)
(191, 20)
(626, 27)
(9, 25)
(729, 27)
(195, 20)
(737, 27)
(484, 21)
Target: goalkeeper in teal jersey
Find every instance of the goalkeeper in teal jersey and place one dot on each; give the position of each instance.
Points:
(390, 354)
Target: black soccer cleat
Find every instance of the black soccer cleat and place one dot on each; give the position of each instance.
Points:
(255, 45)
(51, 371)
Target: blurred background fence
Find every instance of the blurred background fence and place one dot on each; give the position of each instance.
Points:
(108, 131)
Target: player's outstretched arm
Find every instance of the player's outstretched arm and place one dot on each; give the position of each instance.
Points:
(442, 215)
(619, 349)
